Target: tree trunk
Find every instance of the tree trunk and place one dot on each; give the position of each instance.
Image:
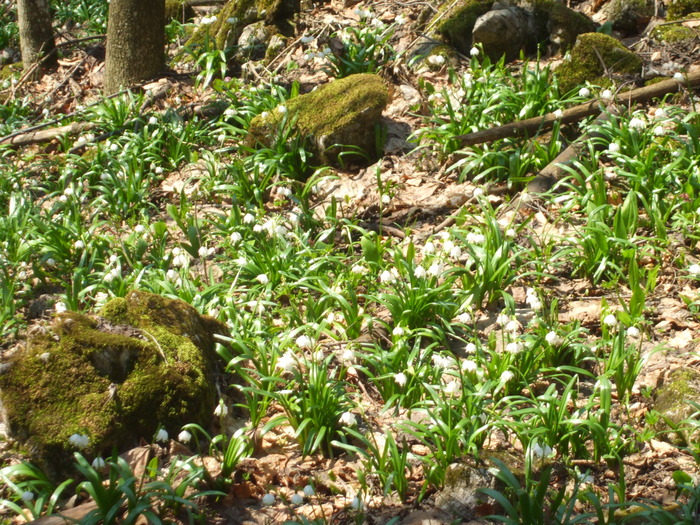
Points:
(135, 42)
(36, 34)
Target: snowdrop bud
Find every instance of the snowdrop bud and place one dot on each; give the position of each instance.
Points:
(606, 94)
(309, 491)
(162, 435)
(221, 409)
(27, 496)
(348, 419)
(610, 320)
(297, 499)
(98, 463)
(356, 503)
(584, 92)
(268, 499)
(474, 51)
(633, 331)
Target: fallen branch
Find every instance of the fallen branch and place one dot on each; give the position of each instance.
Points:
(544, 123)
(47, 135)
(74, 515)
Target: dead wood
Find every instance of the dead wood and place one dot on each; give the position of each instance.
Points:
(74, 515)
(47, 135)
(539, 124)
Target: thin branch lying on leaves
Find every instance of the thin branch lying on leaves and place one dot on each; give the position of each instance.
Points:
(539, 124)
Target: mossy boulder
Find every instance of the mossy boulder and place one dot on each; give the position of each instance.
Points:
(145, 362)
(673, 33)
(585, 62)
(178, 10)
(682, 8)
(628, 17)
(337, 117)
(564, 25)
(672, 400)
(235, 15)
(455, 22)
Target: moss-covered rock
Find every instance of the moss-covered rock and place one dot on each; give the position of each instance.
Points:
(682, 8)
(146, 362)
(673, 33)
(344, 112)
(628, 17)
(456, 25)
(672, 401)
(585, 63)
(178, 10)
(564, 25)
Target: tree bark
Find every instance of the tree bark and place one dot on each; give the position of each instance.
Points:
(36, 34)
(135, 42)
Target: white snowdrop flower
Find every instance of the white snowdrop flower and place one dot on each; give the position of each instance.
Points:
(181, 259)
(398, 331)
(359, 269)
(534, 302)
(317, 356)
(348, 356)
(283, 191)
(585, 478)
(60, 307)
(286, 362)
(452, 388)
(584, 92)
(248, 218)
(171, 275)
(387, 277)
(98, 463)
(112, 275)
(469, 366)
(208, 20)
(230, 112)
(503, 319)
(553, 338)
(400, 20)
(613, 147)
(307, 39)
(297, 499)
(507, 376)
(419, 272)
(113, 147)
(659, 113)
(309, 491)
(139, 228)
(637, 123)
(282, 109)
(221, 409)
(268, 499)
(610, 320)
(347, 419)
(633, 331)
(464, 318)
(606, 94)
(258, 228)
(79, 440)
(512, 326)
(262, 278)
(22, 275)
(436, 60)
(478, 192)
(184, 437)
(162, 435)
(435, 269)
(558, 114)
(232, 20)
(428, 248)
(159, 170)
(153, 120)
(69, 191)
(679, 77)
(264, 114)
(448, 245)
(538, 451)
(514, 347)
(659, 131)
(235, 238)
(304, 342)
(694, 269)
(27, 496)
(400, 379)
(45, 357)
(474, 51)
(475, 238)
(470, 348)
(511, 233)
(356, 503)
(386, 199)
(441, 361)
(205, 252)
(79, 245)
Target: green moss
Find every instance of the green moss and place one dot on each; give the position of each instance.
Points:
(585, 63)
(682, 8)
(344, 111)
(147, 362)
(673, 33)
(456, 25)
(178, 10)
